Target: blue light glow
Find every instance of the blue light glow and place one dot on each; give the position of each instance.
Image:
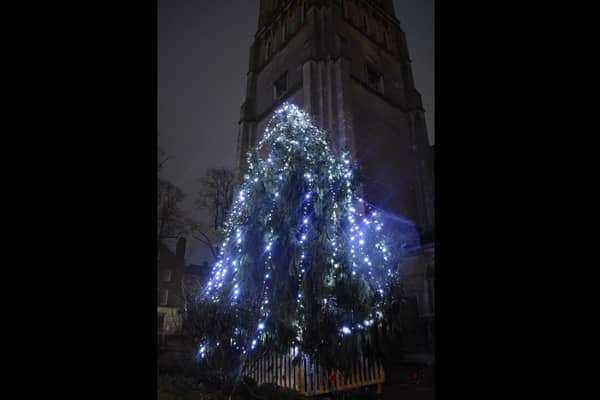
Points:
(272, 167)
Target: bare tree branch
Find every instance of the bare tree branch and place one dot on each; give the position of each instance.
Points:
(198, 233)
(162, 163)
(216, 193)
(215, 197)
(161, 158)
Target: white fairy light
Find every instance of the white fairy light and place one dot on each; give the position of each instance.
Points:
(289, 134)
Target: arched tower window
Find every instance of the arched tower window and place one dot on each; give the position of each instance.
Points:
(180, 250)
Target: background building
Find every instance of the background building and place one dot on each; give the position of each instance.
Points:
(175, 280)
(346, 63)
(170, 284)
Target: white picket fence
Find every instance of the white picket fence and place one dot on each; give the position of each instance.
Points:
(309, 378)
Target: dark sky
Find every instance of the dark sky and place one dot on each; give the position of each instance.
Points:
(203, 48)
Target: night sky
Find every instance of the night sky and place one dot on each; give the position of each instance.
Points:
(203, 48)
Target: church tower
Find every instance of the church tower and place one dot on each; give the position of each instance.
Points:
(346, 63)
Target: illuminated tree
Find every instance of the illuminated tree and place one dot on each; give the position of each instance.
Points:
(304, 262)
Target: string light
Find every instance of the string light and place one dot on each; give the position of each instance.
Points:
(327, 197)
